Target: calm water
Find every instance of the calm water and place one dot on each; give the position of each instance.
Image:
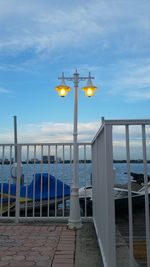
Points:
(121, 168)
(64, 172)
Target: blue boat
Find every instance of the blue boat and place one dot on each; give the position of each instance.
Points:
(43, 187)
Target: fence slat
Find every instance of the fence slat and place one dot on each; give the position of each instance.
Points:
(18, 183)
(129, 198)
(146, 196)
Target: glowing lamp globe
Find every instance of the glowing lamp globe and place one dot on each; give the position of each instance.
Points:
(62, 89)
(89, 89)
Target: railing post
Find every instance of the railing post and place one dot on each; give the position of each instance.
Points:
(130, 209)
(110, 194)
(18, 182)
(147, 210)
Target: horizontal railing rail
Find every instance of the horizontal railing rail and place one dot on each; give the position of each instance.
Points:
(46, 144)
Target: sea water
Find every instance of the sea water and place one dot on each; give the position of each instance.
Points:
(64, 172)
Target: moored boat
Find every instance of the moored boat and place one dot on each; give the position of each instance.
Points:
(43, 188)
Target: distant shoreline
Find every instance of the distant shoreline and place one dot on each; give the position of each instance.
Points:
(131, 161)
(139, 161)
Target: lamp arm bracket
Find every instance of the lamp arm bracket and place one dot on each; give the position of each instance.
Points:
(72, 78)
(85, 78)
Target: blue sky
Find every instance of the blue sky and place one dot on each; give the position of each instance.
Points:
(41, 38)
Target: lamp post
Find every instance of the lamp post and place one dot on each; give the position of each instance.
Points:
(63, 89)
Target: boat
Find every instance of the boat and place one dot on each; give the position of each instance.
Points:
(137, 193)
(43, 188)
(85, 192)
(85, 200)
(120, 194)
(139, 177)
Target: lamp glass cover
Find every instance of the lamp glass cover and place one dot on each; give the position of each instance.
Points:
(62, 90)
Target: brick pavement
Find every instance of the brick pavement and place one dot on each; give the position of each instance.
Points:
(36, 245)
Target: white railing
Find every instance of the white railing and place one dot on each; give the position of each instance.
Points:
(42, 180)
(103, 152)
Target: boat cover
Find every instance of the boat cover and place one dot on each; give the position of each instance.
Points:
(37, 189)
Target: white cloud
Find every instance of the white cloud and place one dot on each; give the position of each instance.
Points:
(46, 132)
(131, 79)
(139, 94)
(62, 132)
(5, 91)
(49, 29)
(135, 132)
(51, 132)
(135, 142)
(47, 26)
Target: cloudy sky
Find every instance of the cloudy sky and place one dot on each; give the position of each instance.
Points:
(41, 38)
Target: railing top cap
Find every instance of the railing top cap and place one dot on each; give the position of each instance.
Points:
(119, 123)
(127, 122)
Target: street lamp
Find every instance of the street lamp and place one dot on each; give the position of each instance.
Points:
(63, 89)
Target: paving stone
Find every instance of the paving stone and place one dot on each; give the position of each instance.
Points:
(3, 263)
(61, 247)
(18, 258)
(32, 245)
(43, 264)
(63, 261)
(22, 264)
(37, 258)
(62, 265)
(24, 248)
(6, 258)
(3, 248)
(64, 252)
(46, 253)
(63, 257)
(40, 248)
(7, 253)
(28, 264)
(30, 253)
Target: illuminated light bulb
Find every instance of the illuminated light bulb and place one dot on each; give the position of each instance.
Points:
(62, 89)
(89, 89)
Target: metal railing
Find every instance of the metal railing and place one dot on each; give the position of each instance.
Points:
(104, 204)
(37, 185)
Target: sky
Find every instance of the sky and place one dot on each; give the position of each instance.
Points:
(40, 39)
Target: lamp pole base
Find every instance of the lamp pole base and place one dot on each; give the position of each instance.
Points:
(74, 225)
(74, 221)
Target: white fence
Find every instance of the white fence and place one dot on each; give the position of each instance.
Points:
(38, 185)
(103, 151)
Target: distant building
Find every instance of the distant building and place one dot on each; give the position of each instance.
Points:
(34, 160)
(6, 161)
(47, 159)
(58, 160)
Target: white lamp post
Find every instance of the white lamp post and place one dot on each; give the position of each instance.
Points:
(63, 89)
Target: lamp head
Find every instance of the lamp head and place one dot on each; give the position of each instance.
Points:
(62, 89)
(89, 89)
